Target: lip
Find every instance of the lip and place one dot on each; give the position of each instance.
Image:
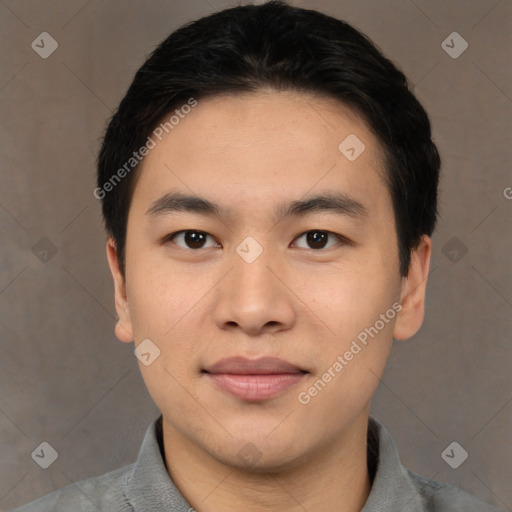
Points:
(254, 379)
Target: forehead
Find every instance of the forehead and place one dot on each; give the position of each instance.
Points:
(265, 145)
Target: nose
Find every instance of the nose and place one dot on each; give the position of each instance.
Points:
(255, 297)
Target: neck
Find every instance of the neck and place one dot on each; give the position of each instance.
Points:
(334, 477)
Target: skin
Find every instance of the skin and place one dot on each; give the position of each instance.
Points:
(299, 303)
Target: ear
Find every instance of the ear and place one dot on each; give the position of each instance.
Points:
(413, 290)
(124, 328)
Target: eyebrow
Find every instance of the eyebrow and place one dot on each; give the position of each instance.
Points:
(336, 202)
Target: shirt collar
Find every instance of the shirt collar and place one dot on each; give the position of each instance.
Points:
(149, 487)
(392, 488)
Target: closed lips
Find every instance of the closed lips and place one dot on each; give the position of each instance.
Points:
(254, 380)
(245, 366)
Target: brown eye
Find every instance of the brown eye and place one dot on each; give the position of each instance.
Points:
(192, 239)
(317, 239)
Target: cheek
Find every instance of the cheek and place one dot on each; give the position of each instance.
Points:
(350, 361)
(160, 302)
(351, 297)
(155, 297)
(356, 346)
(169, 305)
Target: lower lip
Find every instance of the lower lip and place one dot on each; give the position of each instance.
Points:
(255, 387)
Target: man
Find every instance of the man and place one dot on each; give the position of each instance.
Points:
(269, 188)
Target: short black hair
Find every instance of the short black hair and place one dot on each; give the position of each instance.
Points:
(275, 46)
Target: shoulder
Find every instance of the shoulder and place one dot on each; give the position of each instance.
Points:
(104, 492)
(441, 497)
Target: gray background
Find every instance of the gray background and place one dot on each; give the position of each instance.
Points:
(65, 378)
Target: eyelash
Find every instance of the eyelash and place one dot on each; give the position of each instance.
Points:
(341, 239)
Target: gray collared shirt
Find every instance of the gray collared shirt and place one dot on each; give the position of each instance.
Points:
(145, 486)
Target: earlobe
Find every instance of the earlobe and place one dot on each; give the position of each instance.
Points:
(123, 328)
(123, 333)
(413, 292)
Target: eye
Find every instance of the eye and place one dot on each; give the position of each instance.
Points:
(193, 238)
(317, 238)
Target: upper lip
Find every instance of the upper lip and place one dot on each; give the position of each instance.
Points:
(261, 366)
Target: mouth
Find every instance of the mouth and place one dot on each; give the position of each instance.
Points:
(254, 379)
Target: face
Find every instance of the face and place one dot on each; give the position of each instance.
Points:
(273, 323)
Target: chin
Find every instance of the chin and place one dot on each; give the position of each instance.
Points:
(263, 449)
(260, 459)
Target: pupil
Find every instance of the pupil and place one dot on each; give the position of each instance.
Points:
(193, 239)
(313, 239)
